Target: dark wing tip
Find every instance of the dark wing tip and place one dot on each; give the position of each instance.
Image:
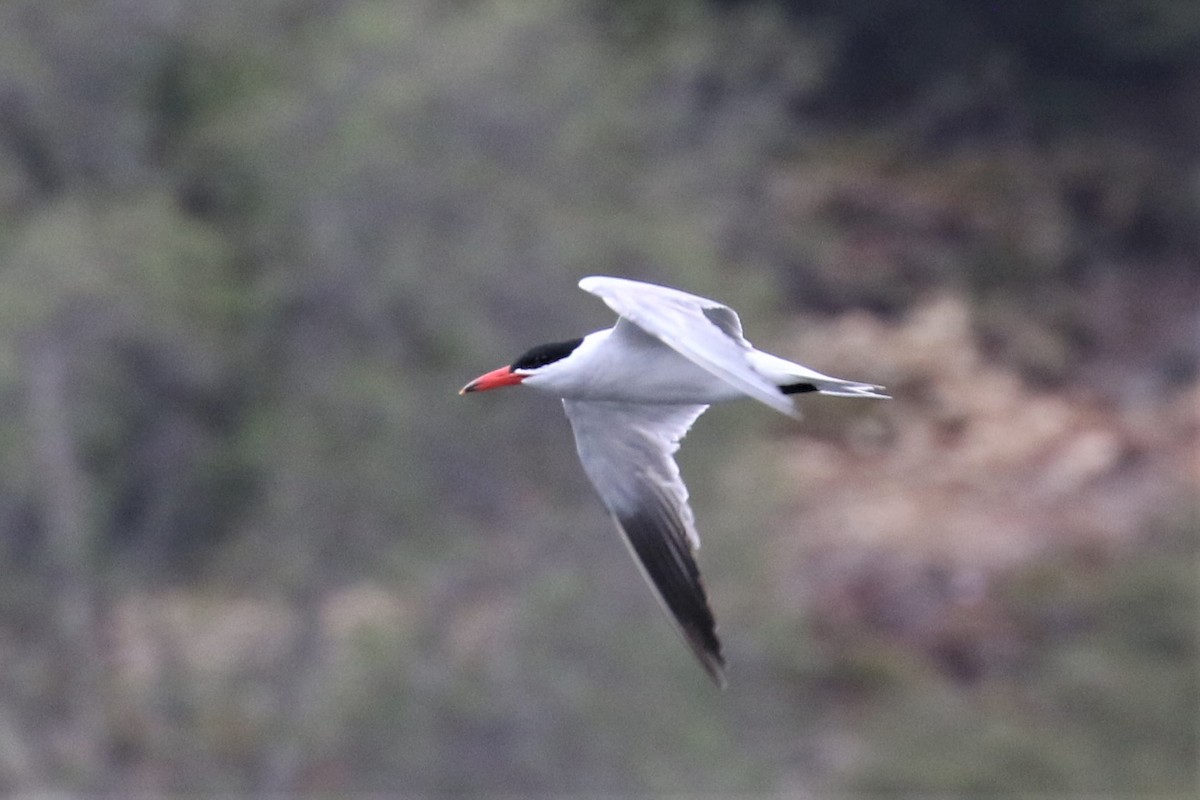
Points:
(702, 638)
(664, 551)
(713, 663)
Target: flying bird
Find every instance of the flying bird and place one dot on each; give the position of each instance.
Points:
(631, 392)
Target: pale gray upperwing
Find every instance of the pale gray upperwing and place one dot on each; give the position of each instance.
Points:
(707, 333)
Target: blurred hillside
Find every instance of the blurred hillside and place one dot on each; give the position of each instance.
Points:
(251, 542)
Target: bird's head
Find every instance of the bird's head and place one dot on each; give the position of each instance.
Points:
(534, 361)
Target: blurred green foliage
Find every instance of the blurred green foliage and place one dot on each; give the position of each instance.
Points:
(1099, 693)
(249, 251)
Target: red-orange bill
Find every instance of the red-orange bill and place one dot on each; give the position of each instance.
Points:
(493, 380)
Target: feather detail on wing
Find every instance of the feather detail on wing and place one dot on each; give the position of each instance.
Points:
(704, 331)
(626, 451)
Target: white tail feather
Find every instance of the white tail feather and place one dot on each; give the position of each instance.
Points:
(782, 372)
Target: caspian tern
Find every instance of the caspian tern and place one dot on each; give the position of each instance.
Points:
(631, 393)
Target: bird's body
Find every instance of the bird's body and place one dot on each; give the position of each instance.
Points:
(627, 365)
(631, 393)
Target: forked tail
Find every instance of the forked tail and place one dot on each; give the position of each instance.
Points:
(792, 378)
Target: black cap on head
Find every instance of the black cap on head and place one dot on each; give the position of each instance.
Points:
(545, 354)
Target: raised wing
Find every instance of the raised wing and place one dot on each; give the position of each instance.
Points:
(626, 451)
(704, 331)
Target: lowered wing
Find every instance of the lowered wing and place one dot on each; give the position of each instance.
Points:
(626, 450)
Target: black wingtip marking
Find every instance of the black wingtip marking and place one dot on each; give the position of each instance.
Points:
(662, 547)
(798, 388)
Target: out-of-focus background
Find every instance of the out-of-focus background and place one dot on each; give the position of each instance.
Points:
(251, 541)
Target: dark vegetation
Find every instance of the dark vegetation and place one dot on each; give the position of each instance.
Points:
(250, 540)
